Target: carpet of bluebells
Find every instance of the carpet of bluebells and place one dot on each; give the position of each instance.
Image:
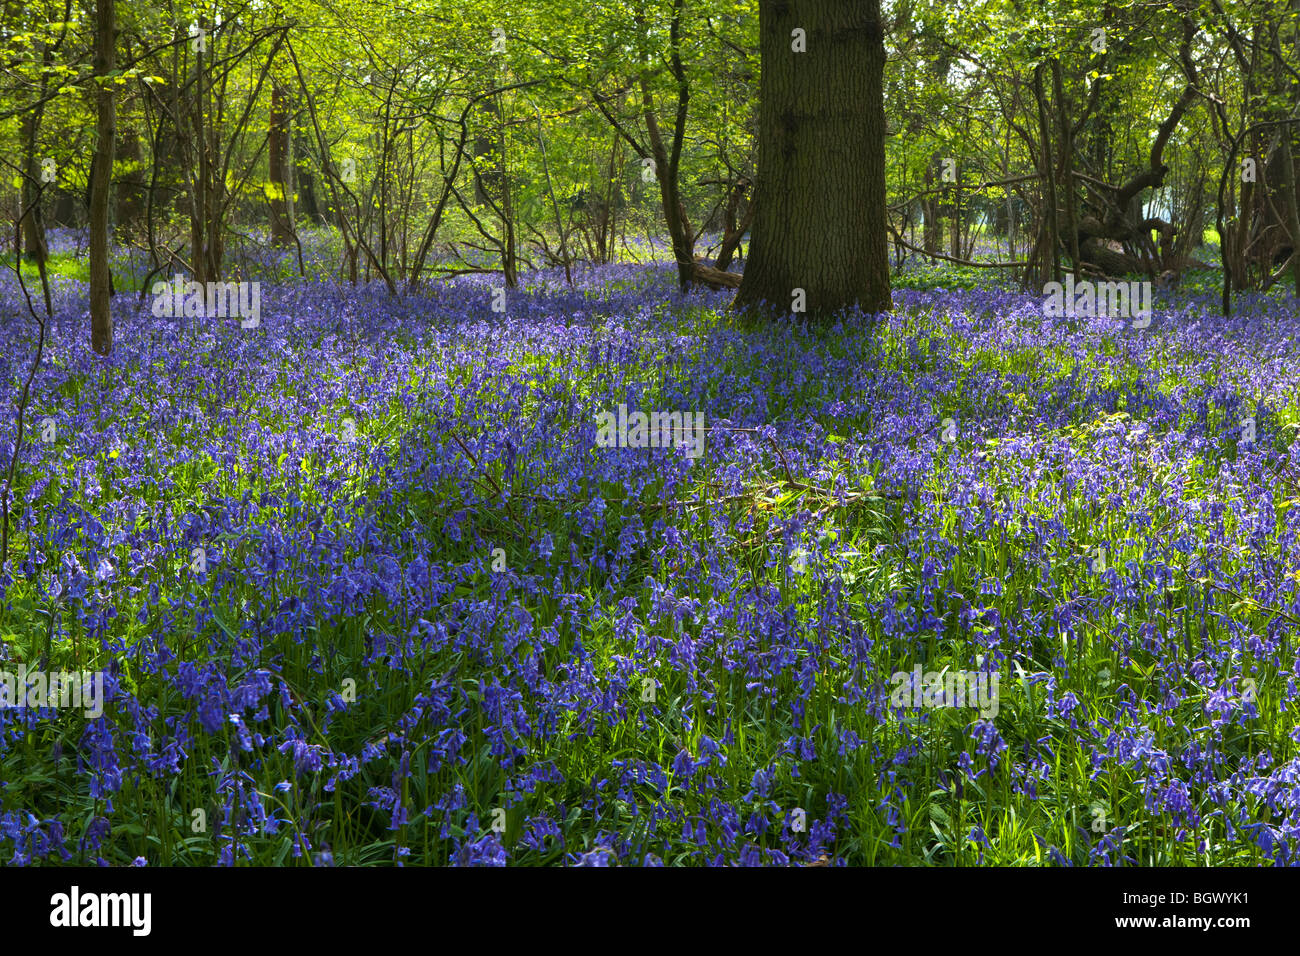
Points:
(436, 624)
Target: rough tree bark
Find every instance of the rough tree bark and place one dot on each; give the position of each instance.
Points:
(101, 173)
(820, 218)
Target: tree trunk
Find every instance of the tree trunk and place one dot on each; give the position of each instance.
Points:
(101, 316)
(207, 191)
(931, 229)
(1115, 213)
(1066, 169)
(1287, 132)
(734, 228)
(305, 183)
(954, 242)
(131, 191)
(199, 197)
(33, 222)
(509, 255)
(1050, 270)
(34, 245)
(605, 225)
(280, 158)
(820, 214)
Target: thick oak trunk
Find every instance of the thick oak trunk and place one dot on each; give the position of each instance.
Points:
(820, 216)
(101, 173)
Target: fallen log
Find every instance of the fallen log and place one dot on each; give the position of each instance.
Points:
(715, 279)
